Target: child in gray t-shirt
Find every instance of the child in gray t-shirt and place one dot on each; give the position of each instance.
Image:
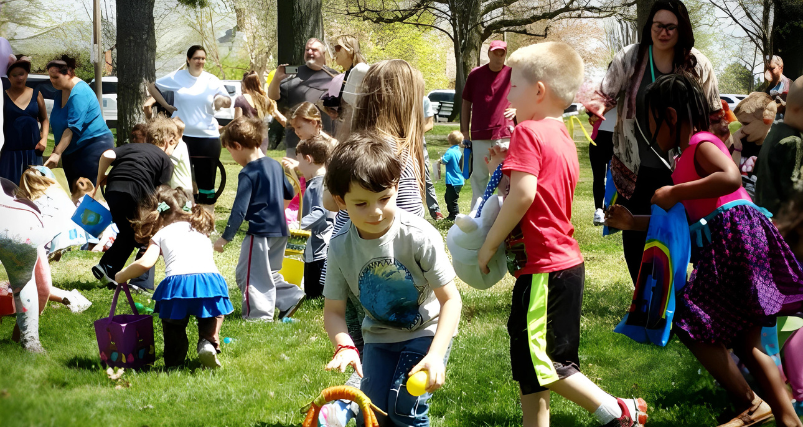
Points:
(396, 264)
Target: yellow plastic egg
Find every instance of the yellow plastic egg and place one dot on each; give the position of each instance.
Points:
(417, 384)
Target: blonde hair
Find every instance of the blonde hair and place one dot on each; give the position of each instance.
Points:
(760, 105)
(455, 137)
(253, 86)
(391, 101)
(307, 111)
(555, 64)
(160, 129)
(777, 60)
(352, 45)
(80, 187)
(150, 220)
(33, 184)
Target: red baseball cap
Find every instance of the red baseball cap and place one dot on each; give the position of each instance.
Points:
(496, 45)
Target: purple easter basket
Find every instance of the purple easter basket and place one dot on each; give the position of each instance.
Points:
(125, 340)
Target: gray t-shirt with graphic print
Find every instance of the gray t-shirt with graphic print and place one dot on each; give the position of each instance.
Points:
(393, 277)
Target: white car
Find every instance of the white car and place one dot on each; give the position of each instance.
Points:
(732, 99)
(42, 83)
(226, 115)
(109, 90)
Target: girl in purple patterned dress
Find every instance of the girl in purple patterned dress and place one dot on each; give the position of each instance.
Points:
(744, 275)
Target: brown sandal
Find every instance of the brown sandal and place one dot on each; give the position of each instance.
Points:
(757, 414)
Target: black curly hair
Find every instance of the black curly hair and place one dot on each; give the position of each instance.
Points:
(682, 93)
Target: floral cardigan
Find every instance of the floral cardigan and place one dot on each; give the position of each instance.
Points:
(618, 89)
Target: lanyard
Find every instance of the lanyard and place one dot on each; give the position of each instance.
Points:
(652, 67)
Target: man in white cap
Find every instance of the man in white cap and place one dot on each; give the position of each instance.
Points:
(486, 108)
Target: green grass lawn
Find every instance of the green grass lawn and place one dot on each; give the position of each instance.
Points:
(272, 370)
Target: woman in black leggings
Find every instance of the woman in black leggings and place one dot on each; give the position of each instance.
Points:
(197, 94)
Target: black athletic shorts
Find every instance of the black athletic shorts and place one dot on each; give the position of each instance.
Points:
(544, 327)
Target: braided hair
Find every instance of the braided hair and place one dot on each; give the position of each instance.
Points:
(685, 95)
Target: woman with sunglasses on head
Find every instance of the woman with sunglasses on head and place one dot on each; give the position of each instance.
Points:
(639, 167)
(23, 112)
(197, 94)
(80, 132)
(351, 60)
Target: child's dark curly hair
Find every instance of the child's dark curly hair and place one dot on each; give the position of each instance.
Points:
(685, 96)
(152, 218)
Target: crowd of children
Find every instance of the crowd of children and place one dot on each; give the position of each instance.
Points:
(391, 306)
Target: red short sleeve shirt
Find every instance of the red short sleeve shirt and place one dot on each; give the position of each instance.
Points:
(542, 242)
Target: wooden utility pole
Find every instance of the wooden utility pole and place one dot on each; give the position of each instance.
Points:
(97, 53)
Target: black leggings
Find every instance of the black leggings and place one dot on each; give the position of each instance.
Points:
(204, 156)
(599, 155)
(649, 180)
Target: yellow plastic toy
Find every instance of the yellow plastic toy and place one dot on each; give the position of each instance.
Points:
(417, 383)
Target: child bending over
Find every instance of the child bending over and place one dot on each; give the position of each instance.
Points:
(171, 227)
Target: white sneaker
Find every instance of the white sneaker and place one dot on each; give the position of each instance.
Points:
(599, 217)
(207, 354)
(77, 302)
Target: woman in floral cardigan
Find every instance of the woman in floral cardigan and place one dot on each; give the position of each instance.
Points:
(639, 167)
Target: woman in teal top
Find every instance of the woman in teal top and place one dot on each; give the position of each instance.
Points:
(77, 122)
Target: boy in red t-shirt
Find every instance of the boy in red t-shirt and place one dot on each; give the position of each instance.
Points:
(535, 225)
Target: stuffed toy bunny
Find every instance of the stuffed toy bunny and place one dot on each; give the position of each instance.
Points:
(468, 234)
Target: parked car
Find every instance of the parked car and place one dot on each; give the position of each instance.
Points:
(226, 115)
(42, 83)
(732, 99)
(436, 97)
(109, 91)
(574, 109)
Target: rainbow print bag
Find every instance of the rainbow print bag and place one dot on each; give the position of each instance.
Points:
(663, 272)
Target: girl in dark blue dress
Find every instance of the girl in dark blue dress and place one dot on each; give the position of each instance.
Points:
(23, 111)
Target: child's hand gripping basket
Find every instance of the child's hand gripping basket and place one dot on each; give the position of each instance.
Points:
(297, 241)
(468, 234)
(125, 340)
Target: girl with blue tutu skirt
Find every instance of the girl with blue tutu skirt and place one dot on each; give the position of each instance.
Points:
(192, 285)
(744, 275)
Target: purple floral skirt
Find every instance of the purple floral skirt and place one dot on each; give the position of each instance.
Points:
(744, 277)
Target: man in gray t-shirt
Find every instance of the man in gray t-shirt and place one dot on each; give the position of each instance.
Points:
(310, 82)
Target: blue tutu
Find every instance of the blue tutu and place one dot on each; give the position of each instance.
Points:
(201, 295)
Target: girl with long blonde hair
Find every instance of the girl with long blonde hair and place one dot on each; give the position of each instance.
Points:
(254, 102)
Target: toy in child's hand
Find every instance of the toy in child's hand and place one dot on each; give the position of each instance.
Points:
(342, 392)
(417, 383)
(468, 234)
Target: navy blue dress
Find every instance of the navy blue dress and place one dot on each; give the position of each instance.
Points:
(21, 131)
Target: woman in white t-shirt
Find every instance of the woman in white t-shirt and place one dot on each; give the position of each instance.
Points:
(197, 94)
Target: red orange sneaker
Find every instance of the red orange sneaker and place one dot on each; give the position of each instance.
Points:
(630, 420)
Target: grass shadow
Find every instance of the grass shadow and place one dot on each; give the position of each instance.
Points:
(83, 363)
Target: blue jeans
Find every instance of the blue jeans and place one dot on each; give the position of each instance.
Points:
(385, 368)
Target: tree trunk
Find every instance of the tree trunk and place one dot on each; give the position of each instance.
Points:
(297, 22)
(136, 62)
(786, 36)
(467, 45)
(643, 8)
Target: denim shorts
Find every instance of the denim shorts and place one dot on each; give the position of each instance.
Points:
(385, 368)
